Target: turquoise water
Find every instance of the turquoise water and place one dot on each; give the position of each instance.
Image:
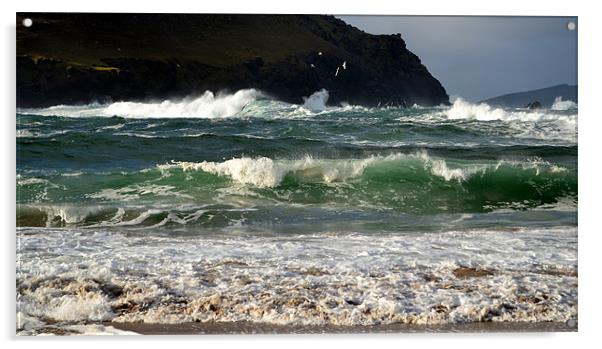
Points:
(293, 168)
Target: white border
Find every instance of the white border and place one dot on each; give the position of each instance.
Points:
(589, 170)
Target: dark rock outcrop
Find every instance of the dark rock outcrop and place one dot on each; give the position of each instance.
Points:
(533, 105)
(81, 58)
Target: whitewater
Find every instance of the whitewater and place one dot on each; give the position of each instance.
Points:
(237, 207)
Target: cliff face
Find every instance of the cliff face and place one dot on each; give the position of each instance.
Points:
(81, 58)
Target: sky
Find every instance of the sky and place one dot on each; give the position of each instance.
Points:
(481, 57)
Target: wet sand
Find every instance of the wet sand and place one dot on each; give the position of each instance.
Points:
(259, 328)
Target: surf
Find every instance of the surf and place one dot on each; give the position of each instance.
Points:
(462, 109)
(208, 105)
(404, 182)
(266, 172)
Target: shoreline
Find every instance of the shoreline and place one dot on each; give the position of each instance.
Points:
(220, 328)
(243, 291)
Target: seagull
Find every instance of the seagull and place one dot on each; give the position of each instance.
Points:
(320, 53)
(337, 72)
(345, 65)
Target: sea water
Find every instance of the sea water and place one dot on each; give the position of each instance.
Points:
(241, 208)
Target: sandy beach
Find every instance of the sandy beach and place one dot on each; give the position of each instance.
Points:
(254, 328)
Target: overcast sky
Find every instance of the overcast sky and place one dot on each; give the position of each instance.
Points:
(481, 57)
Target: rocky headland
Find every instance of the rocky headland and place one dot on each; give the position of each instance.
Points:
(77, 58)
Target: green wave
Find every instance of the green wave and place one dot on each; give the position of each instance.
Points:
(405, 183)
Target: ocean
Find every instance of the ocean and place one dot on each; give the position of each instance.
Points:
(240, 208)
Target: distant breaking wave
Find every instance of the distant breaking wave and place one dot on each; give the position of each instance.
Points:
(462, 109)
(245, 103)
(559, 104)
(317, 101)
(208, 105)
(557, 125)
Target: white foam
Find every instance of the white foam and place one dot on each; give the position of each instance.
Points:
(484, 112)
(133, 192)
(465, 110)
(549, 125)
(265, 172)
(208, 105)
(86, 306)
(31, 181)
(99, 330)
(244, 103)
(69, 214)
(462, 109)
(439, 167)
(347, 279)
(317, 101)
(559, 104)
(24, 133)
(28, 326)
(26, 322)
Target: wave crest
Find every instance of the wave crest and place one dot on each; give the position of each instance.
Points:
(317, 101)
(462, 109)
(265, 172)
(559, 104)
(208, 105)
(269, 173)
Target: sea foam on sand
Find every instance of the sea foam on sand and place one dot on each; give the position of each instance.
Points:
(318, 279)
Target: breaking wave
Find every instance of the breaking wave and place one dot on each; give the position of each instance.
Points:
(266, 172)
(559, 104)
(462, 109)
(210, 193)
(317, 101)
(208, 105)
(559, 122)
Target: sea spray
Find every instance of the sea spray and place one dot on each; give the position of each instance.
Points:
(317, 101)
(208, 105)
(461, 109)
(265, 172)
(559, 104)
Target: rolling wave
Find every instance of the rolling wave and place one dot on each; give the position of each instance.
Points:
(411, 183)
(266, 172)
